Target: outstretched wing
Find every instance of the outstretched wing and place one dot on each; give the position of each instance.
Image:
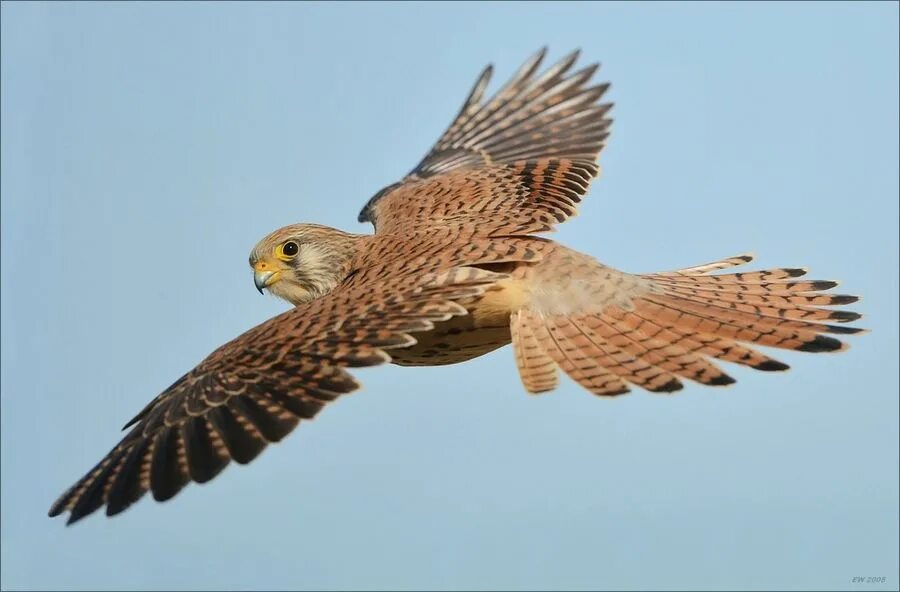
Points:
(529, 153)
(258, 387)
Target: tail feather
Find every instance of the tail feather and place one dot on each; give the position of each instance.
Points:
(767, 282)
(759, 288)
(580, 359)
(661, 348)
(536, 369)
(577, 359)
(770, 309)
(681, 320)
(708, 267)
(602, 353)
(756, 319)
(717, 322)
(765, 276)
(763, 298)
(703, 343)
(731, 351)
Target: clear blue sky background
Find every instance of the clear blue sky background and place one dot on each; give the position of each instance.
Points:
(146, 148)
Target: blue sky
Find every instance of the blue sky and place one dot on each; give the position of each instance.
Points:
(147, 147)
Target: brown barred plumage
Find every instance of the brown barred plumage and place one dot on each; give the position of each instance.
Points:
(453, 272)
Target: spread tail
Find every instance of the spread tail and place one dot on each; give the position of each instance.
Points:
(671, 330)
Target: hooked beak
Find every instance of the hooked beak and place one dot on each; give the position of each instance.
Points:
(263, 279)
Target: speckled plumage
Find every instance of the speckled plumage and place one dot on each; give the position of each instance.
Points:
(454, 271)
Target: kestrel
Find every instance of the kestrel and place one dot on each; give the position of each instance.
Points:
(455, 270)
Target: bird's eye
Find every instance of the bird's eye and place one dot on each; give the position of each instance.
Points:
(289, 249)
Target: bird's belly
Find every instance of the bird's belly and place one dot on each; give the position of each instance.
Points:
(450, 343)
(462, 338)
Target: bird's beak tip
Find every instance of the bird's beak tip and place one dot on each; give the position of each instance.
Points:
(262, 279)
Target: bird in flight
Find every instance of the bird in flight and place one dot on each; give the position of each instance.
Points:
(454, 270)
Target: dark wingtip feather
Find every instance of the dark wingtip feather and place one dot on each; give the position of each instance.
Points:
(822, 343)
(242, 446)
(823, 284)
(670, 387)
(721, 380)
(772, 366)
(796, 271)
(204, 462)
(844, 330)
(845, 316)
(132, 421)
(589, 70)
(572, 56)
(59, 506)
(166, 476)
(843, 299)
(623, 391)
(481, 84)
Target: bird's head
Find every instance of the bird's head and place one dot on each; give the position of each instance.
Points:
(301, 262)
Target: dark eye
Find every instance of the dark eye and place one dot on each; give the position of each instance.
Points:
(290, 248)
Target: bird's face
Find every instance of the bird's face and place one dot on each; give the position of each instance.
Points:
(301, 262)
